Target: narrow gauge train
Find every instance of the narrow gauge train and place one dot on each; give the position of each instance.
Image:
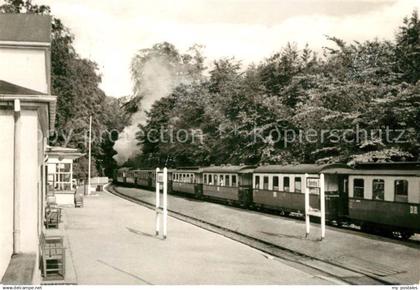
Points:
(379, 197)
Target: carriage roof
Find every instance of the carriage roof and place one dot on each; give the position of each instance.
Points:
(380, 168)
(229, 169)
(298, 168)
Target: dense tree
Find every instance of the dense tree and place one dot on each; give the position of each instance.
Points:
(358, 98)
(75, 81)
(407, 48)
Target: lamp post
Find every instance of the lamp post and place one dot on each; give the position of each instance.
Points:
(90, 151)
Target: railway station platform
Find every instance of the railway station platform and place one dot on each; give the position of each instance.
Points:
(389, 260)
(111, 241)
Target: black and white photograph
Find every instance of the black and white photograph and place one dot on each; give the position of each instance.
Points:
(209, 143)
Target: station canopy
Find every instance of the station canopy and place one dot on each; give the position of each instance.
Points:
(64, 153)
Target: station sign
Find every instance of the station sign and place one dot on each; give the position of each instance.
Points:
(159, 177)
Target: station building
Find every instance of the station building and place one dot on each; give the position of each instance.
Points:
(27, 113)
(60, 182)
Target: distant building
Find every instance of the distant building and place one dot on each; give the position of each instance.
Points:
(27, 113)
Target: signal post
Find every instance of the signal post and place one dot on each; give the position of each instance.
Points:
(161, 209)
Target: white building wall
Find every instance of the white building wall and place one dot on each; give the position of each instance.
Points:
(29, 181)
(29, 68)
(6, 185)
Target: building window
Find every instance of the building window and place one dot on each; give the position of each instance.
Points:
(227, 180)
(286, 183)
(61, 179)
(298, 184)
(257, 181)
(401, 190)
(265, 185)
(378, 189)
(234, 180)
(275, 183)
(358, 188)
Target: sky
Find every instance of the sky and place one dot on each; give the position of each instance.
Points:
(110, 32)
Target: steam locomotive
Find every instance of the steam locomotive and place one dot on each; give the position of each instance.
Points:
(378, 197)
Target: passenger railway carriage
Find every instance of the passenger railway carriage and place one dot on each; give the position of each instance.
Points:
(228, 183)
(143, 178)
(283, 187)
(121, 174)
(382, 197)
(146, 178)
(130, 177)
(188, 180)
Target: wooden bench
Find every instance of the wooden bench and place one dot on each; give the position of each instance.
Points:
(52, 217)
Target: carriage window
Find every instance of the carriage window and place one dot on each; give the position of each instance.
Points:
(216, 179)
(358, 188)
(265, 182)
(298, 184)
(205, 178)
(286, 183)
(401, 190)
(234, 180)
(221, 180)
(378, 189)
(275, 183)
(227, 180)
(257, 181)
(210, 179)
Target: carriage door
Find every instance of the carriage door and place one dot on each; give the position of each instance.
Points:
(343, 181)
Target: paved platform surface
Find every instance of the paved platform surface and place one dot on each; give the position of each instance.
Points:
(391, 260)
(111, 241)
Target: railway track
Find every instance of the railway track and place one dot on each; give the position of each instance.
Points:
(338, 272)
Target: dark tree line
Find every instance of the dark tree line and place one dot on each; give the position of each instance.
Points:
(247, 115)
(250, 115)
(75, 81)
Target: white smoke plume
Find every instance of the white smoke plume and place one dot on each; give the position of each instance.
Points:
(158, 79)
